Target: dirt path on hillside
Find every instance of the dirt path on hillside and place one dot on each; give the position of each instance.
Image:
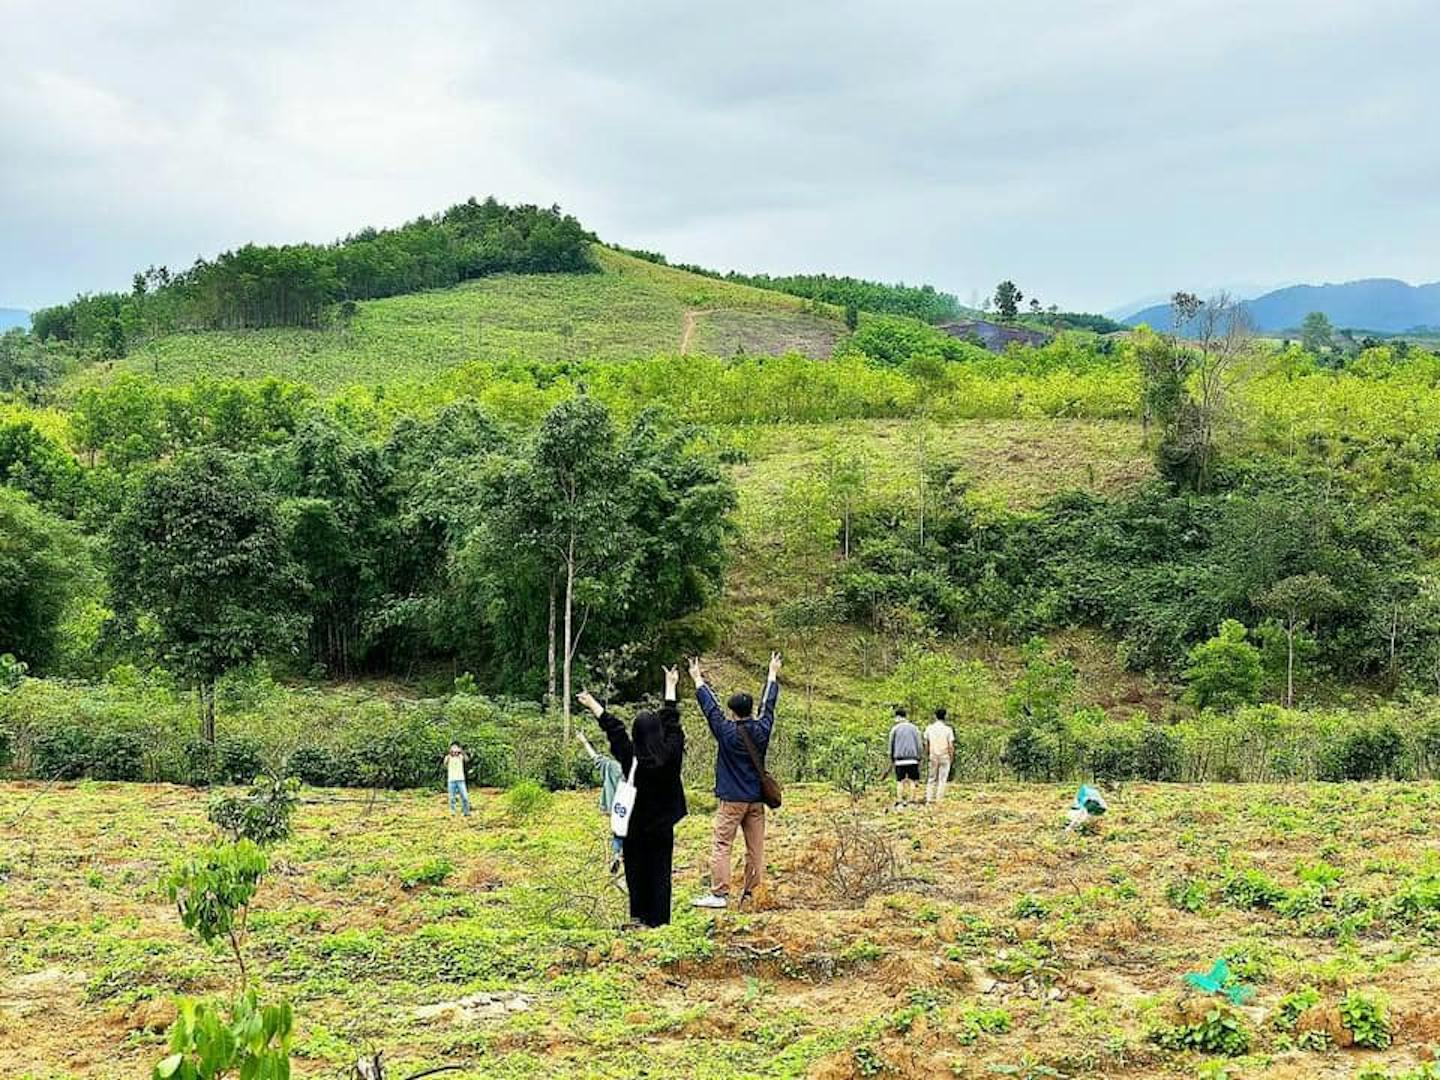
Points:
(688, 332)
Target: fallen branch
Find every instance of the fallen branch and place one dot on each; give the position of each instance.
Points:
(373, 1068)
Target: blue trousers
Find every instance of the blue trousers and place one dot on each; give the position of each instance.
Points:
(457, 787)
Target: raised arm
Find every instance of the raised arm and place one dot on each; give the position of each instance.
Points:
(709, 707)
(771, 694)
(621, 748)
(670, 715)
(589, 750)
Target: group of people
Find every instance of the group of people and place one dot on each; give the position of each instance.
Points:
(651, 753)
(909, 746)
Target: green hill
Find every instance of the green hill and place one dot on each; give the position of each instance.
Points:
(631, 308)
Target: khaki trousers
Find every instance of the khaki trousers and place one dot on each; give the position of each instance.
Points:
(938, 778)
(749, 818)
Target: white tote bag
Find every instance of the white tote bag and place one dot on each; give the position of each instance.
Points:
(623, 803)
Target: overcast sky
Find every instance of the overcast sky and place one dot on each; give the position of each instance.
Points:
(1092, 150)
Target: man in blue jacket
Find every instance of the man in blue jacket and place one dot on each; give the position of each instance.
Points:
(737, 781)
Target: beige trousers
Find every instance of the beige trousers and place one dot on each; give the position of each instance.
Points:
(938, 777)
(749, 818)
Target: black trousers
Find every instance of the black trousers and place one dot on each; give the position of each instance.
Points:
(649, 855)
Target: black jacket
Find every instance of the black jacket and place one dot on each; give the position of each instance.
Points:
(660, 796)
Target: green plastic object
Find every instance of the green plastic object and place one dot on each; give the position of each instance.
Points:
(1221, 980)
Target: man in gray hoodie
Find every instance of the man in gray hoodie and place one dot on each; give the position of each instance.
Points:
(906, 750)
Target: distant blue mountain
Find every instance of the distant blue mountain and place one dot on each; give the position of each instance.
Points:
(1382, 304)
(1245, 290)
(11, 317)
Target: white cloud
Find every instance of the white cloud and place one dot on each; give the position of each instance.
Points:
(1092, 151)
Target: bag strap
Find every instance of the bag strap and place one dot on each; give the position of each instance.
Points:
(750, 748)
(634, 764)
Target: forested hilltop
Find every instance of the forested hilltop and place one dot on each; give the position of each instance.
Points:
(336, 542)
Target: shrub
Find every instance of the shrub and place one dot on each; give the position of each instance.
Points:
(261, 815)
(1158, 757)
(850, 763)
(431, 872)
(117, 755)
(62, 752)
(1032, 752)
(1251, 890)
(253, 1041)
(1220, 1031)
(393, 749)
(12, 671)
(199, 762)
(1188, 894)
(1294, 1005)
(1112, 754)
(316, 766)
(1367, 1020)
(526, 800)
(1369, 752)
(213, 888)
(239, 759)
(1225, 671)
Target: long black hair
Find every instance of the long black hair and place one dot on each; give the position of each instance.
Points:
(648, 735)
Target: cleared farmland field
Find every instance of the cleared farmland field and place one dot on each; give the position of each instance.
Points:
(974, 940)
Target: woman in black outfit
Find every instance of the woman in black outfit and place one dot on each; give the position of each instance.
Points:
(658, 745)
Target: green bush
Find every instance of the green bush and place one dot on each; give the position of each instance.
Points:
(1370, 752)
(526, 800)
(253, 1041)
(1114, 753)
(63, 752)
(1367, 1019)
(199, 762)
(239, 759)
(431, 872)
(315, 766)
(1032, 752)
(118, 755)
(1251, 890)
(1221, 1031)
(1188, 894)
(261, 815)
(212, 890)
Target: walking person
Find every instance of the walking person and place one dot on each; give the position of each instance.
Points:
(737, 780)
(940, 742)
(609, 775)
(655, 745)
(905, 751)
(455, 759)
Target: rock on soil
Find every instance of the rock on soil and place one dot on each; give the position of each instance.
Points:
(475, 1008)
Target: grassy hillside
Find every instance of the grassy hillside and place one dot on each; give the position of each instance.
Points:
(631, 308)
(842, 669)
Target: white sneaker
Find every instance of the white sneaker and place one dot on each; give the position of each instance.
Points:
(710, 900)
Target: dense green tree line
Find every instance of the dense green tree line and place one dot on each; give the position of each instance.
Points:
(1276, 548)
(300, 284)
(416, 529)
(923, 302)
(243, 523)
